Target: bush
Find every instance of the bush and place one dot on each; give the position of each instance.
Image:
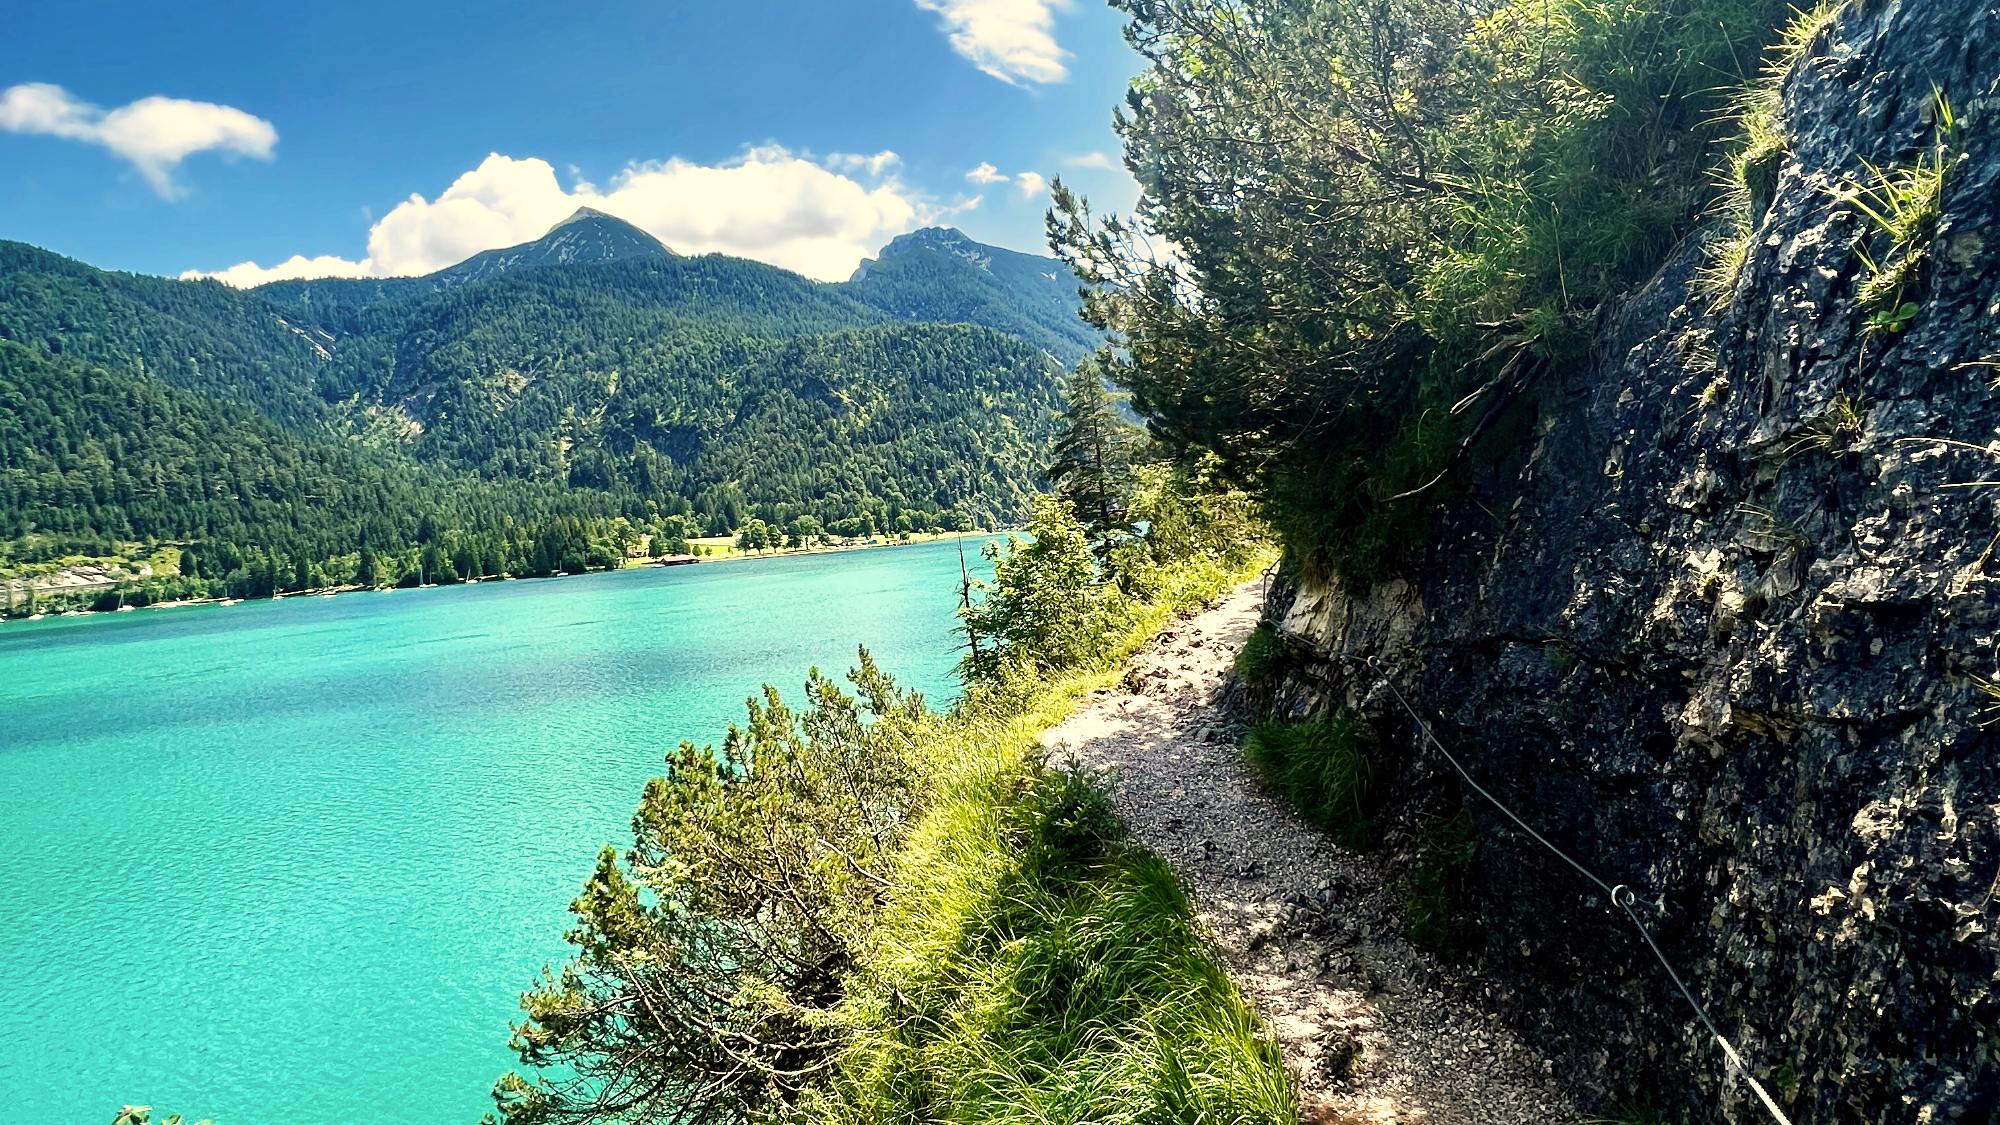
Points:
(711, 961)
(1327, 769)
(1065, 812)
(1047, 608)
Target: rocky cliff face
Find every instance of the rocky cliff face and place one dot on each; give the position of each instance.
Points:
(1722, 629)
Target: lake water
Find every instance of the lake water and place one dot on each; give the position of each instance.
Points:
(291, 863)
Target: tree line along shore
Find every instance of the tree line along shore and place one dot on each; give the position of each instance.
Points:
(78, 586)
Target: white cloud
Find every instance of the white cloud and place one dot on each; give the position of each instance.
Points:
(154, 133)
(246, 274)
(1030, 184)
(1091, 160)
(874, 165)
(1012, 40)
(768, 204)
(987, 174)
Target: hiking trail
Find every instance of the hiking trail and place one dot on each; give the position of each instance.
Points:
(1374, 1031)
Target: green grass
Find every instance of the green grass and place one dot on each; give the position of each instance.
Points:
(1327, 769)
(1750, 175)
(1903, 205)
(1032, 964)
(1259, 655)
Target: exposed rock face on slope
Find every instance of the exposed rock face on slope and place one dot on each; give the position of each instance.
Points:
(1723, 631)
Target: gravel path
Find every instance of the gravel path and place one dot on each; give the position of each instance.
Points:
(1374, 1031)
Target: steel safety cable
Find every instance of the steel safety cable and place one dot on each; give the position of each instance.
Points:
(1621, 896)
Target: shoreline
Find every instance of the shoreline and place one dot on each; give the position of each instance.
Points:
(734, 555)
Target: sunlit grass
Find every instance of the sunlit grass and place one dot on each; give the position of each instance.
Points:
(1033, 965)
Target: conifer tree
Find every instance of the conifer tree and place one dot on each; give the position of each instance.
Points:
(1092, 463)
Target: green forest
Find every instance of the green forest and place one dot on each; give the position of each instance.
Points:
(543, 419)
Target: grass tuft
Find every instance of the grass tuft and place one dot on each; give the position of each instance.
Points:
(1902, 205)
(1749, 178)
(1259, 656)
(1327, 769)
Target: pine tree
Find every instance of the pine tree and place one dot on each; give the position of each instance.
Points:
(1092, 463)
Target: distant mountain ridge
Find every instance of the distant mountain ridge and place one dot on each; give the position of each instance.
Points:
(939, 273)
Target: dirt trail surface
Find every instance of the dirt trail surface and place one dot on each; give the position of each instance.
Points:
(1373, 1030)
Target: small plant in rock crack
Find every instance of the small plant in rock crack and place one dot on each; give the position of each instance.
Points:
(1715, 394)
(1891, 321)
(1989, 709)
(1903, 206)
(1766, 531)
(1834, 431)
(1786, 1079)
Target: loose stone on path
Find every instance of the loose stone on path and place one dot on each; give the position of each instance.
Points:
(1374, 1031)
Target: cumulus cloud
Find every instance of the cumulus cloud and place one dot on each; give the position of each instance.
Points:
(769, 204)
(1092, 160)
(154, 133)
(874, 165)
(243, 275)
(1030, 184)
(987, 174)
(1012, 40)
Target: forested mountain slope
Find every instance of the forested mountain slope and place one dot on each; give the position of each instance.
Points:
(590, 373)
(92, 457)
(197, 335)
(940, 274)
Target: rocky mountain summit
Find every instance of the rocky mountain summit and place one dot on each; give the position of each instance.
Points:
(585, 237)
(1724, 627)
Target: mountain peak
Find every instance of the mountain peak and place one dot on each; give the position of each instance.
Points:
(583, 213)
(944, 240)
(587, 237)
(942, 274)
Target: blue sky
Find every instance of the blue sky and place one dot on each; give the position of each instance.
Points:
(203, 136)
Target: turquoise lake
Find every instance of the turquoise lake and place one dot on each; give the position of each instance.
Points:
(291, 863)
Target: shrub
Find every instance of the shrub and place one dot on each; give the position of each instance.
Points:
(1065, 811)
(1046, 609)
(711, 959)
(1327, 769)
